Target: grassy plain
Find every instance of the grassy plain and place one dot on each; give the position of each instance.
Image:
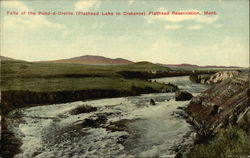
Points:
(18, 75)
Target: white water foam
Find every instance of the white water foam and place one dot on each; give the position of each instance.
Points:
(51, 131)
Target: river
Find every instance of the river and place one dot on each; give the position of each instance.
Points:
(127, 127)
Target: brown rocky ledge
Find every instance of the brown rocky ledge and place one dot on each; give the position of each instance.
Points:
(224, 104)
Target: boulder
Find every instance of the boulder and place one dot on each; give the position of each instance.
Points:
(182, 95)
(83, 109)
(152, 102)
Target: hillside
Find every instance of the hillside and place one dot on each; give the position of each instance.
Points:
(3, 58)
(94, 60)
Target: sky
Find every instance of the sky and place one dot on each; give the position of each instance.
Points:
(221, 39)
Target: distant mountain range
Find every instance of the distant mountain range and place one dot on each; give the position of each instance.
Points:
(100, 60)
(94, 60)
(184, 65)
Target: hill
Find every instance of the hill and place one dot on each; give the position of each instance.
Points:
(94, 60)
(3, 58)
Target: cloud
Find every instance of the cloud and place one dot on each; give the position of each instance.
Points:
(162, 44)
(229, 52)
(36, 21)
(14, 4)
(26, 21)
(162, 51)
(219, 25)
(195, 27)
(131, 2)
(66, 33)
(86, 5)
(173, 27)
(182, 18)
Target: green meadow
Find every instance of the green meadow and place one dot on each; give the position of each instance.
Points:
(47, 77)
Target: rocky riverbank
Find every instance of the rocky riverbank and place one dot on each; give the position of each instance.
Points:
(213, 78)
(223, 106)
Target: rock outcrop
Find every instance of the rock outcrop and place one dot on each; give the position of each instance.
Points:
(219, 76)
(224, 104)
(182, 95)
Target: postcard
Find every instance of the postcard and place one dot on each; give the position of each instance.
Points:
(125, 79)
